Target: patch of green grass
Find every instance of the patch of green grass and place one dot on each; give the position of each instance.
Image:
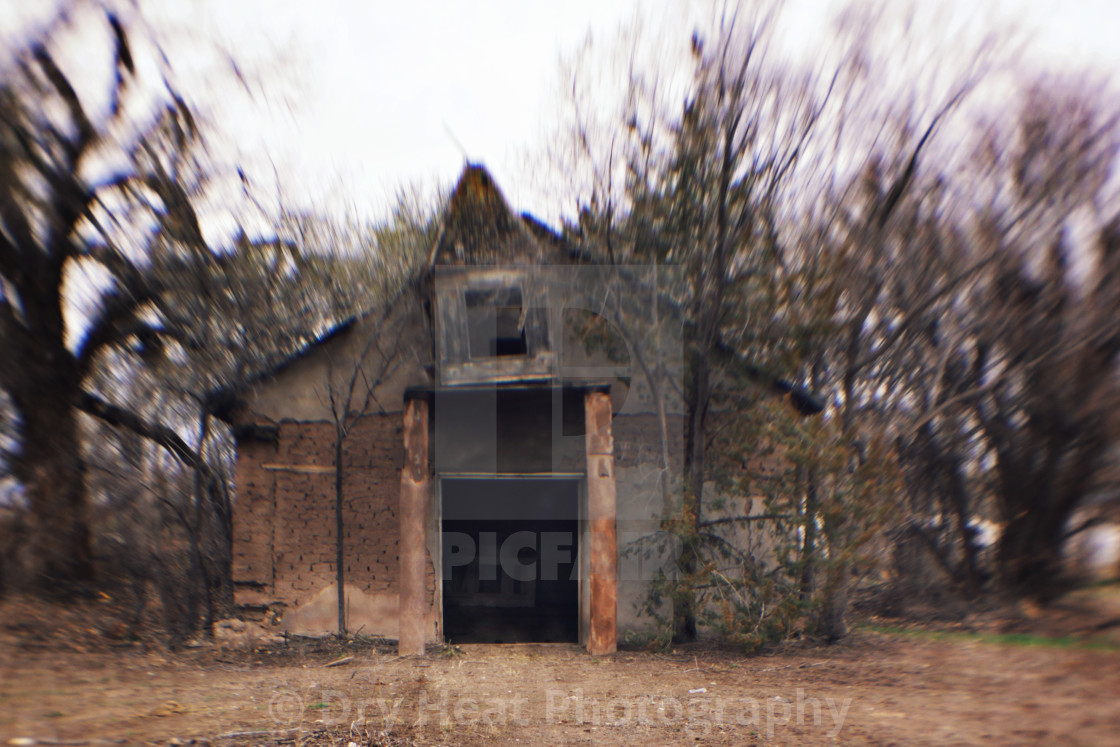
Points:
(53, 714)
(1102, 583)
(1006, 639)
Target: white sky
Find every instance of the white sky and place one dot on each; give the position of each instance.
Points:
(353, 98)
(398, 93)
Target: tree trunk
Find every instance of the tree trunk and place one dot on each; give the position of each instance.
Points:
(192, 522)
(830, 622)
(969, 572)
(51, 467)
(340, 576)
(1037, 498)
(684, 603)
(945, 473)
(809, 536)
(1029, 557)
(222, 577)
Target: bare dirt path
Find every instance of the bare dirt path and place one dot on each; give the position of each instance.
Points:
(873, 688)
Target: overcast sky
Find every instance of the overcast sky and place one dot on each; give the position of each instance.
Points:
(388, 92)
(352, 98)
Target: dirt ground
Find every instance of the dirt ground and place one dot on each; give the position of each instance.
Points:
(1056, 682)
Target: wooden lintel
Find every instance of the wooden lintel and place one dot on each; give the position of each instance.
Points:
(308, 469)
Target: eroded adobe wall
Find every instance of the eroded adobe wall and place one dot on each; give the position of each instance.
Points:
(304, 534)
(253, 521)
(284, 521)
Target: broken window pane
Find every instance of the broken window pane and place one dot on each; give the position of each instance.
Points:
(496, 323)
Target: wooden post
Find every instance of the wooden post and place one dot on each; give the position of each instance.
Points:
(601, 510)
(415, 489)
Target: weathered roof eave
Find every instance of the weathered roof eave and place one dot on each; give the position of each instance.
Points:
(224, 401)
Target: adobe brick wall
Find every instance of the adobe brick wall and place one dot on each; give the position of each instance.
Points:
(252, 513)
(284, 519)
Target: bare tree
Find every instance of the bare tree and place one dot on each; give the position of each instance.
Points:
(351, 393)
(1046, 336)
(49, 211)
(806, 216)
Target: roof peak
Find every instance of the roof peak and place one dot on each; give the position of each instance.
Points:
(479, 228)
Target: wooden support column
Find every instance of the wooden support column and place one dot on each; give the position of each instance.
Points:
(415, 490)
(601, 508)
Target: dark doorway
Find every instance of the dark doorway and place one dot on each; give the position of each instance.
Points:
(510, 554)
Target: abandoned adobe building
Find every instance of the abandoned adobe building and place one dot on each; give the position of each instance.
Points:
(490, 472)
(502, 455)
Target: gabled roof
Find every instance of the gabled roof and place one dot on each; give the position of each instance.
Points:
(222, 401)
(478, 228)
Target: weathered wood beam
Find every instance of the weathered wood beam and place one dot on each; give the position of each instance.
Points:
(415, 492)
(601, 513)
(306, 469)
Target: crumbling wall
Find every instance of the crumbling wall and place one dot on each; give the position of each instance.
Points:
(253, 521)
(284, 517)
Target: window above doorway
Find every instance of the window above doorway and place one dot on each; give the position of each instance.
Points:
(492, 325)
(496, 323)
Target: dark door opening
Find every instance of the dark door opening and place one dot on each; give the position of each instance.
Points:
(510, 555)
